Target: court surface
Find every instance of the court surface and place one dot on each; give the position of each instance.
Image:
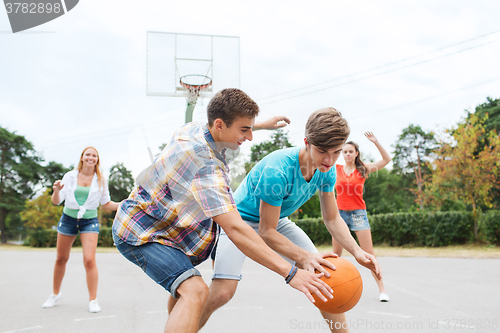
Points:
(427, 295)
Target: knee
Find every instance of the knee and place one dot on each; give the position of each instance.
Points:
(89, 263)
(223, 293)
(61, 260)
(195, 291)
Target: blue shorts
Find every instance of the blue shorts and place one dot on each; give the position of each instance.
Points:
(70, 226)
(167, 266)
(229, 259)
(356, 220)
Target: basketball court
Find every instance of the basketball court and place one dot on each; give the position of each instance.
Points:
(427, 295)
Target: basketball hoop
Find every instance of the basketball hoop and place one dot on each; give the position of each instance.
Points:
(194, 86)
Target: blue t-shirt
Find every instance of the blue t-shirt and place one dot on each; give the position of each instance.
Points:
(278, 181)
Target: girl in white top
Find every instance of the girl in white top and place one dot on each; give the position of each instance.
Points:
(82, 190)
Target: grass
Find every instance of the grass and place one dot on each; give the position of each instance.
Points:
(455, 251)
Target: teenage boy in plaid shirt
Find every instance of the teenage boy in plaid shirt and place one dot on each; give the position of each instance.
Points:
(170, 222)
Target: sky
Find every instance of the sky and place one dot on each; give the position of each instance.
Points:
(80, 80)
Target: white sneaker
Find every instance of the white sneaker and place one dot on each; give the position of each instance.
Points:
(51, 301)
(384, 297)
(94, 306)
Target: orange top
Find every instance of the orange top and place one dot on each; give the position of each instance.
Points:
(349, 189)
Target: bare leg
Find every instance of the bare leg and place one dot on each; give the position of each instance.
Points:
(64, 244)
(365, 242)
(186, 311)
(221, 291)
(336, 322)
(89, 246)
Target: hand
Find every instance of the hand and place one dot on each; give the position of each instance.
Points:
(315, 262)
(370, 136)
(369, 261)
(310, 283)
(57, 186)
(272, 123)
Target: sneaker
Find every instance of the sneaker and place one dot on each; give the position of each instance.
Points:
(94, 306)
(384, 297)
(51, 301)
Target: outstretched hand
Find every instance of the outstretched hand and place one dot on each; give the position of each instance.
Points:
(315, 262)
(370, 136)
(272, 123)
(57, 186)
(310, 283)
(369, 261)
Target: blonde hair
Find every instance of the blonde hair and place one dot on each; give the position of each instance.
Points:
(97, 167)
(326, 129)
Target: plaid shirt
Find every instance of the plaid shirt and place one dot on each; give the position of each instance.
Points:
(175, 198)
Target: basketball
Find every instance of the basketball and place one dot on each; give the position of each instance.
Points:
(346, 284)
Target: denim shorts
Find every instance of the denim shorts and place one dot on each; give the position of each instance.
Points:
(167, 266)
(229, 259)
(356, 220)
(70, 226)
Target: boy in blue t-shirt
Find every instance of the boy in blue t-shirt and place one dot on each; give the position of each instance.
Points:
(276, 187)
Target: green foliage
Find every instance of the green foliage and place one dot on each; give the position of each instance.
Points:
(422, 228)
(40, 213)
(48, 238)
(388, 192)
(412, 155)
(121, 182)
(279, 140)
(316, 230)
(490, 226)
(311, 208)
(20, 173)
(52, 172)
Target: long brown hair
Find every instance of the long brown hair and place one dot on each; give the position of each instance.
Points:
(360, 166)
(97, 167)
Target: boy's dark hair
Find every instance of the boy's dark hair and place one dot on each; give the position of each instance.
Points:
(229, 104)
(326, 129)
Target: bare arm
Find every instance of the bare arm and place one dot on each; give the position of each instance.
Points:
(269, 218)
(57, 187)
(247, 240)
(111, 206)
(271, 123)
(339, 230)
(386, 158)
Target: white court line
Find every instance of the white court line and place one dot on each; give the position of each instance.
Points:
(83, 319)
(24, 329)
(427, 299)
(390, 314)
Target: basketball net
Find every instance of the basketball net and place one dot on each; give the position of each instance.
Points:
(195, 86)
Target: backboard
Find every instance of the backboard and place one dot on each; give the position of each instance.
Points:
(171, 56)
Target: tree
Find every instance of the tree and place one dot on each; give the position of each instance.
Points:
(463, 170)
(121, 182)
(279, 140)
(52, 172)
(412, 154)
(20, 172)
(40, 213)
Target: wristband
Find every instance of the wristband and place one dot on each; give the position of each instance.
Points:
(292, 273)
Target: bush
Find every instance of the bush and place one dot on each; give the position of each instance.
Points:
(48, 238)
(490, 226)
(417, 229)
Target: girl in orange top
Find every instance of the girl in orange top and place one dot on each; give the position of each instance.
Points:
(350, 188)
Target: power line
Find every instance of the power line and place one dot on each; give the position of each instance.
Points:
(379, 67)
